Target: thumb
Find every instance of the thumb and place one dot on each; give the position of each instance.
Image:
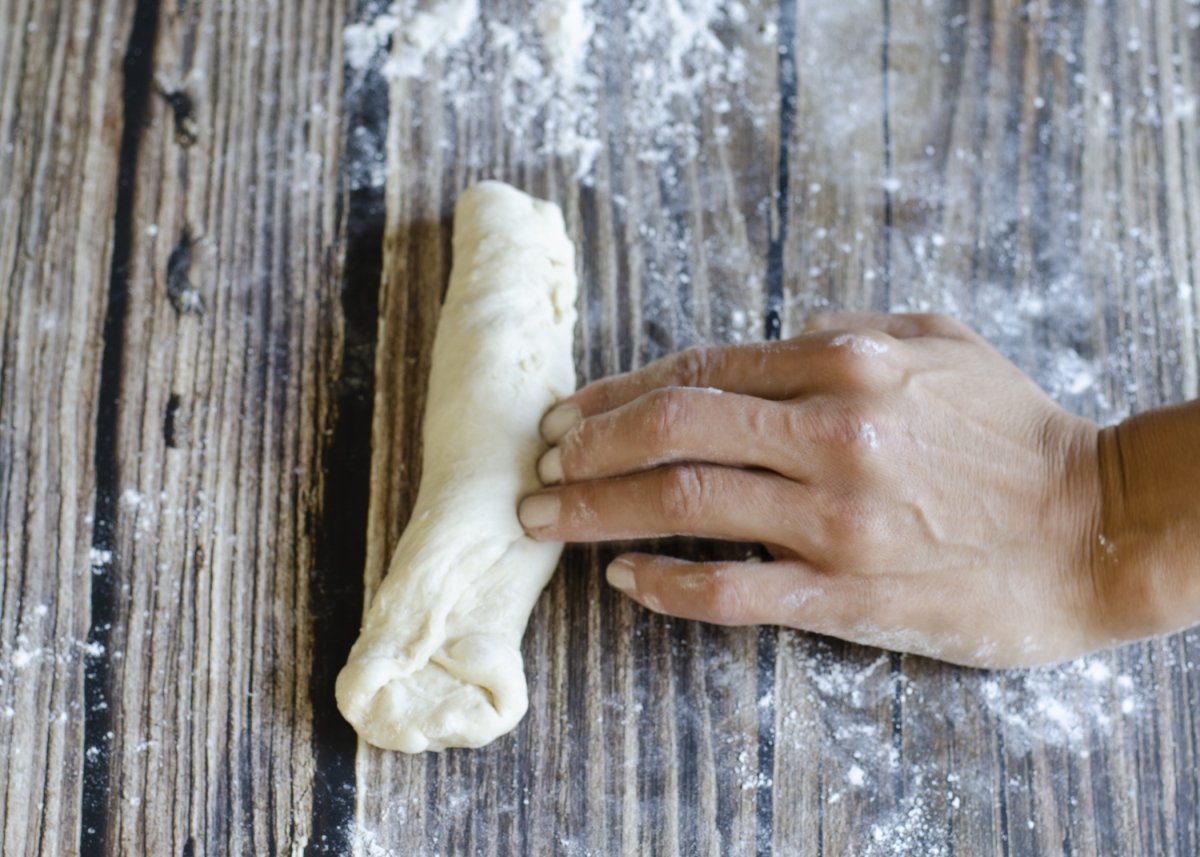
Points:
(728, 593)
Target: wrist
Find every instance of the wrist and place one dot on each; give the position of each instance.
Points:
(1145, 556)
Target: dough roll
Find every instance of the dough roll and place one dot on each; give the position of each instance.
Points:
(438, 663)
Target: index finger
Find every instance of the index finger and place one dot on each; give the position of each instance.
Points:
(897, 324)
(767, 370)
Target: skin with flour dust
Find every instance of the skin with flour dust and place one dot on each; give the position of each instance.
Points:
(917, 492)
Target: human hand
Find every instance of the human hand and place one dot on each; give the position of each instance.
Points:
(916, 491)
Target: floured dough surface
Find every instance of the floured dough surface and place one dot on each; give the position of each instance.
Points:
(438, 663)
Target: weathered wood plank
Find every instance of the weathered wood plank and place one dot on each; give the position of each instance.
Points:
(227, 358)
(1031, 167)
(59, 138)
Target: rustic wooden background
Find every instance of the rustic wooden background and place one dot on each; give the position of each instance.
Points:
(215, 340)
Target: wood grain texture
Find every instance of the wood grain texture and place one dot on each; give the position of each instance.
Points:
(201, 145)
(59, 93)
(223, 258)
(229, 353)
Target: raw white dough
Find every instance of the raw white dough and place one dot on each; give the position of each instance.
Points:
(438, 663)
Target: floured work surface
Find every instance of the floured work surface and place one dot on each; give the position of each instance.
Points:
(717, 166)
(206, 339)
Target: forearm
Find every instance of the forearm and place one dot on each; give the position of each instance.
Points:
(1147, 548)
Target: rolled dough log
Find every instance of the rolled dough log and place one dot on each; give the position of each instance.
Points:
(438, 663)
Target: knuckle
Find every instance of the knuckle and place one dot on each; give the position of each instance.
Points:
(684, 497)
(584, 438)
(854, 429)
(692, 366)
(579, 437)
(862, 360)
(795, 422)
(810, 421)
(668, 414)
(725, 601)
(940, 324)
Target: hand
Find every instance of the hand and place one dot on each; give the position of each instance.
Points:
(916, 491)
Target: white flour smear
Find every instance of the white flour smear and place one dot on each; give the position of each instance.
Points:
(839, 722)
(541, 78)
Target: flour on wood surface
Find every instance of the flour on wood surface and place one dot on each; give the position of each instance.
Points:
(418, 35)
(541, 71)
(542, 62)
(830, 718)
(432, 32)
(1071, 710)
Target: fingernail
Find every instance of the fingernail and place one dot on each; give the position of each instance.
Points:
(559, 421)
(550, 467)
(620, 575)
(539, 510)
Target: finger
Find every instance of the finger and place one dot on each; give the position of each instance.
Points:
(683, 499)
(899, 325)
(768, 370)
(724, 593)
(870, 611)
(788, 593)
(676, 424)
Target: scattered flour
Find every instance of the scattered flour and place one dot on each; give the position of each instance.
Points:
(1069, 374)
(433, 32)
(1067, 705)
(22, 657)
(91, 650)
(417, 35)
(566, 29)
(538, 76)
(25, 653)
(362, 42)
(910, 830)
(837, 722)
(863, 345)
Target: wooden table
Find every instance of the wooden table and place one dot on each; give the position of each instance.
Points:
(222, 249)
